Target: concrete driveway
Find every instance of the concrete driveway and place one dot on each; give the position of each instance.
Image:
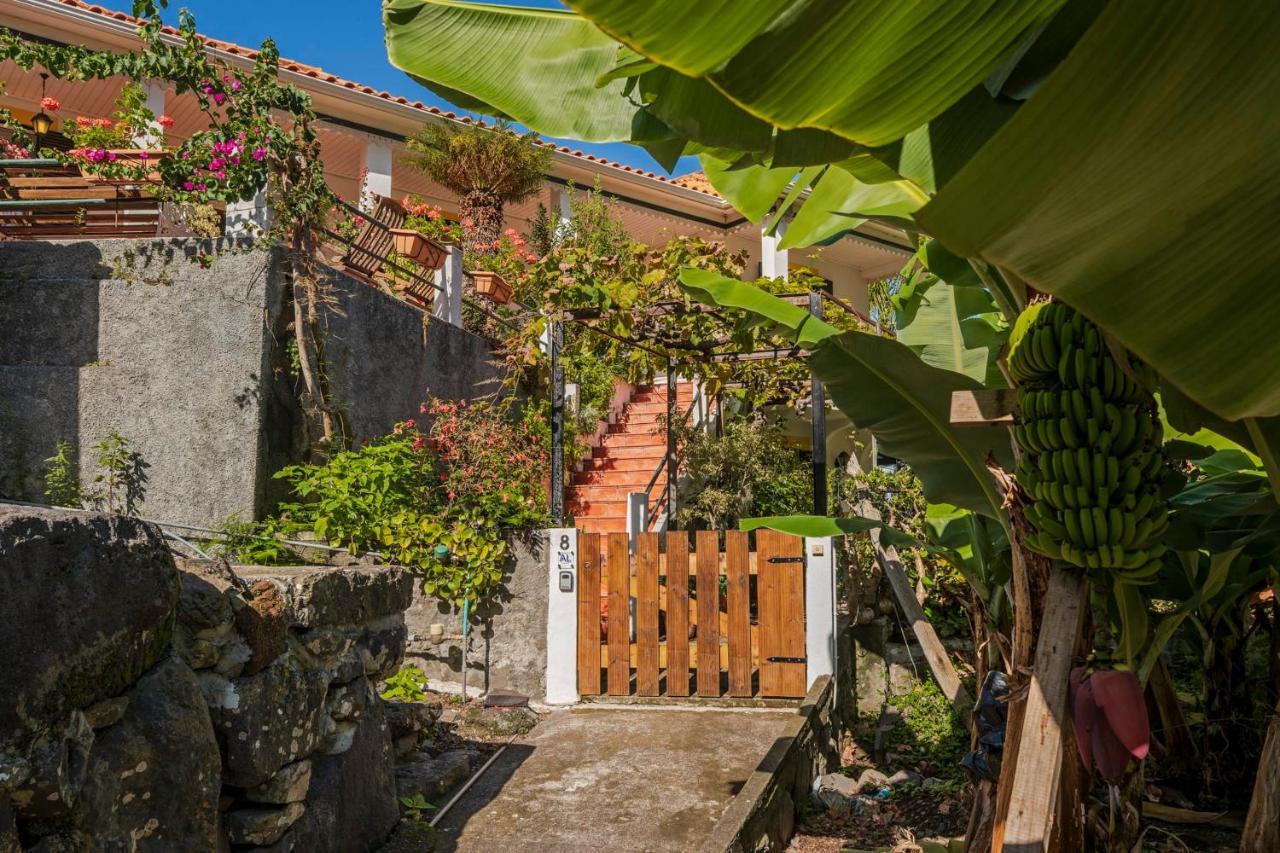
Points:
(613, 779)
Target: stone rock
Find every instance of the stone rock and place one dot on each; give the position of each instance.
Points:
(432, 777)
(198, 653)
(233, 656)
(260, 620)
(55, 769)
(270, 719)
(412, 718)
(381, 647)
(905, 777)
(261, 825)
(108, 712)
(351, 804)
(501, 722)
(288, 785)
(153, 779)
(347, 701)
(836, 791)
(335, 737)
(872, 780)
(336, 649)
(59, 653)
(316, 596)
(204, 600)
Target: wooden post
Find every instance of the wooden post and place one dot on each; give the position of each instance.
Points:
(1033, 787)
(934, 652)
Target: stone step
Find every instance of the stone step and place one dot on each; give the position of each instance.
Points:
(610, 463)
(598, 494)
(634, 477)
(650, 452)
(601, 525)
(649, 428)
(597, 509)
(633, 439)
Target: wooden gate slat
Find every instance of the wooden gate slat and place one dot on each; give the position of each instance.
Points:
(647, 614)
(677, 614)
(708, 590)
(619, 571)
(781, 607)
(589, 614)
(737, 571)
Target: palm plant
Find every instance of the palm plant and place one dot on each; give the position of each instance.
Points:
(487, 167)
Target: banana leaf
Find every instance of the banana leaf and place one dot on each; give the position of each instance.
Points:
(882, 386)
(825, 525)
(871, 71)
(1139, 184)
(952, 328)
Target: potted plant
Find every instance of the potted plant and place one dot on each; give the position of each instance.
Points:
(496, 270)
(124, 149)
(419, 248)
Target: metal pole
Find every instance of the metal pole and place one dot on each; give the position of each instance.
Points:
(672, 461)
(818, 414)
(555, 341)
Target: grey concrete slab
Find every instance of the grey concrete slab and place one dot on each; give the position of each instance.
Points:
(613, 779)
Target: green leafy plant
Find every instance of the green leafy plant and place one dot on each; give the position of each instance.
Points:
(254, 543)
(930, 732)
(749, 471)
(62, 477)
(487, 167)
(120, 481)
(408, 684)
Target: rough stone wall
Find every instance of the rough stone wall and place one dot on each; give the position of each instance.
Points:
(508, 646)
(188, 363)
(136, 336)
(384, 358)
(150, 706)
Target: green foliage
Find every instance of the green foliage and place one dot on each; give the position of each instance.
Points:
(441, 502)
(62, 478)
(749, 471)
(466, 158)
(930, 731)
(120, 481)
(254, 543)
(408, 684)
(415, 808)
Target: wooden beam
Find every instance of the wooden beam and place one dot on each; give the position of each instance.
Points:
(983, 407)
(1034, 789)
(934, 652)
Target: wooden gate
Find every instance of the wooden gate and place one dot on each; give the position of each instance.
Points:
(673, 621)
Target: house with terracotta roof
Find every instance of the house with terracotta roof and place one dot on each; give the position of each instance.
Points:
(362, 137)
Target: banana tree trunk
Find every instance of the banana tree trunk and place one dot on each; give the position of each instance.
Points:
(1262, 827)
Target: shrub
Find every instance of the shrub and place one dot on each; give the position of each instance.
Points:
(61, 479)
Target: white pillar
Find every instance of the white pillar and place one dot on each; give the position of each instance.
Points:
(773, 261)
(447, 304)
(637, 516)
(562, 616)
(819, 608)
(156, 91)
(377, 172)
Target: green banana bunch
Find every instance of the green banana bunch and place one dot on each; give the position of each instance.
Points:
(1091, 447)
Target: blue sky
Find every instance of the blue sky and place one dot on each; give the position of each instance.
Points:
(345, 39)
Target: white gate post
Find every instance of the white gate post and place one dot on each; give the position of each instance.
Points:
(446, 305)
(819, 608)
(562, 616)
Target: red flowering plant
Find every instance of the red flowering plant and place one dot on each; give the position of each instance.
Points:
(440, 500)
(430, 221)
(508, 256)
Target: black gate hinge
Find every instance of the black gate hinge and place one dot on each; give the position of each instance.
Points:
(786, 660)
(785, 560)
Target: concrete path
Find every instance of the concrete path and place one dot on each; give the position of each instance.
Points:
(613, 779)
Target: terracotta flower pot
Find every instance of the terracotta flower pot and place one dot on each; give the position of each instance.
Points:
(492, 285)
(418, 248)
(134, 158)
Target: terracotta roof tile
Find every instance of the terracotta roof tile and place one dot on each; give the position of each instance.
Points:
(319, 73)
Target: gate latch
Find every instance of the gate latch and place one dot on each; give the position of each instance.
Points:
(785, 560)
(787, 660)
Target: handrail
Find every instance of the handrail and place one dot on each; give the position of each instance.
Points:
(664, 495)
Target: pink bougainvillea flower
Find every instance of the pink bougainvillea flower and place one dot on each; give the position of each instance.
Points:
(219, 98)
(188, 185)
(259, 153)
(50, 104)
(143, 155)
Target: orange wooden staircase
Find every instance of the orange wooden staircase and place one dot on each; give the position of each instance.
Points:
(633, 447)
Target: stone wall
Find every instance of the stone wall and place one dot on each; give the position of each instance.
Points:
(188, 361)
(508, 645)
(158, 707)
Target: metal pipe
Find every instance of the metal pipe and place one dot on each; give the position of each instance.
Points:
(818, 416)
(555, 340)
(445, 808)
